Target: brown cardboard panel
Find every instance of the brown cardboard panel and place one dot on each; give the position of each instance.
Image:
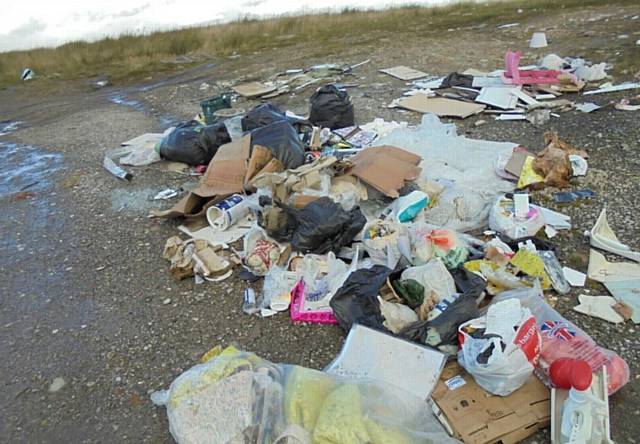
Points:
(440, 106)
(516, 162)
(226, 171)
(190, 206)
(478, 417)
(386, 168)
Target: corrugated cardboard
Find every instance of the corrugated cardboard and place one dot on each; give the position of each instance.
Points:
(386, 168)
(516, 162)
(190, 206)
(302, 200)
(230, 171)
(226, 171)
(440, 106)
(477, 417)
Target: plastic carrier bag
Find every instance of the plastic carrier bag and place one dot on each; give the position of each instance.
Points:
(237, 397)
(563, 339)
(502, 219)
(500, 350)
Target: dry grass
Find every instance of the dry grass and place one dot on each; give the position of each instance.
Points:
(129, 57)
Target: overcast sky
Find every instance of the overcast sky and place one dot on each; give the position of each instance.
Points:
(31, 23)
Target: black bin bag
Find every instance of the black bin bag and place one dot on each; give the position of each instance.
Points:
(356, 302)
(282, 140)
(331, 108)
(320, 227)
(194, 143)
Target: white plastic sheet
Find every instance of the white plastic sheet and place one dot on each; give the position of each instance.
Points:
(464, 166)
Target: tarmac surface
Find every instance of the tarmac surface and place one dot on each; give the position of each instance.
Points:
(91, 322)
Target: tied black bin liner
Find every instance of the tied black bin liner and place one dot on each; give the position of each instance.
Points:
(331, 108)
(320, 227)
(193, 143)
(283, 141)
(266, 114)
(356, 302)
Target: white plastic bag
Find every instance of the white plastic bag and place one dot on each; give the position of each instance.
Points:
(459, 209)
(276, 290)
(501, 358)
(502, 219)
(396, 316)
(434, 277)
(382, 241)
(261, 253)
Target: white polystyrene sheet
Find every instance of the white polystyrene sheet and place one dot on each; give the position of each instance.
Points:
(371, 354)
(603, 237)
(629, 293)
(499, 96)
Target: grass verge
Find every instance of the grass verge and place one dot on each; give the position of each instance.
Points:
(131, 57)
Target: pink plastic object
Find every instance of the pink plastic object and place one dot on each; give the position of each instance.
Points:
(300, 315)
(514, 76)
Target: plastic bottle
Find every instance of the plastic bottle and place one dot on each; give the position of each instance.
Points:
(579, 412)
(249, 304)
(577, 417)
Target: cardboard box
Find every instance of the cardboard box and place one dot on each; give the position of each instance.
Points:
(440, 106)
(386, 168)
(475, 416)
(230, 171)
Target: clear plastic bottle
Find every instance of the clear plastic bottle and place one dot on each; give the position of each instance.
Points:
(249, 304)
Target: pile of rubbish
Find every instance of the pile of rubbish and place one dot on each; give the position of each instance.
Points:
(423, 245)
(529, 93)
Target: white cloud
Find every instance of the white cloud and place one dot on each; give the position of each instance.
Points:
(34, 23)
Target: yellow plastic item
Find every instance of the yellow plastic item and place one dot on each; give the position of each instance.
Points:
(305, 392)
(530, 263)
(341, 421)
(528, 176)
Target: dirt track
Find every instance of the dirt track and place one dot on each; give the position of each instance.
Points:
(84, 285)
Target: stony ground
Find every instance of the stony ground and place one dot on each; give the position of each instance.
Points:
(86, 296)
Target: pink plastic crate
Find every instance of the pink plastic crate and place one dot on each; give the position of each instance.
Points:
(300, 315)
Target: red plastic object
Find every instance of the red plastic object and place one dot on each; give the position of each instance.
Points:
(300, 315)
(514, 76)
(566, 373)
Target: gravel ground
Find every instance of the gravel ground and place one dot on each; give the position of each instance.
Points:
(87, 297)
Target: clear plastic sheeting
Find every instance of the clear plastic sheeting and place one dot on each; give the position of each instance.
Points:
(465, 166)
(239, 398)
